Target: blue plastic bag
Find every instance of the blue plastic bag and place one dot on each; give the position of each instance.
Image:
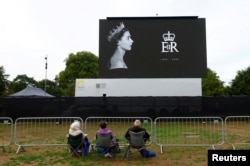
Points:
(146, 153)
(85, 150)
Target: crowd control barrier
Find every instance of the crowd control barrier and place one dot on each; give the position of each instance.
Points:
(6, 131)
(237, 130)
(189, 131)
(42, 131)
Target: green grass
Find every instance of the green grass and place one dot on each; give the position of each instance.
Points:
(58, 155)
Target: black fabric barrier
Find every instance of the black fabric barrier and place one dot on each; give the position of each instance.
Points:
(125, 106)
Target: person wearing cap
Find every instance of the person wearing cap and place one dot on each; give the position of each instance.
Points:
(74, 132)
(137, 128)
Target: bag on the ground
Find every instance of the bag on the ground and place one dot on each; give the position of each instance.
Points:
(86, 145)
(85, 149)
(147, 153)
(116, 148)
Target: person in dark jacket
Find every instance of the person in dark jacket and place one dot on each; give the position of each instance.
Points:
(75, 136)
(137, 128)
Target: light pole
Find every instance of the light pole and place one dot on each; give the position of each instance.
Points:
(46, 67)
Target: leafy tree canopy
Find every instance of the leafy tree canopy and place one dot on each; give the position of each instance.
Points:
(51, 87)
(212, 85)
(3, 80)
(240, 85)
(80, 65)
(21, 82)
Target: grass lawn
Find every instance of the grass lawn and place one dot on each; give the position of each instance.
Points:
(58, 155)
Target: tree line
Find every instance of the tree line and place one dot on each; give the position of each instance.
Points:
(85, 64)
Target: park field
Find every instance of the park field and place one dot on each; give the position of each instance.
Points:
(58, 155)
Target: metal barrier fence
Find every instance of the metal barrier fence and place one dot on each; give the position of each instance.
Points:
(188, 131)
(164, 131)
(42, 131)
(237, 130)
(6, 131)
(118, 125)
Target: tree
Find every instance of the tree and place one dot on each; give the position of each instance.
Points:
(212, 85)
(51, 87)
(21, 82)
(80, 65)
(240, 85)
(3, 81)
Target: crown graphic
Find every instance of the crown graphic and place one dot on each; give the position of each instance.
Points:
(115, 31)
(168, 36)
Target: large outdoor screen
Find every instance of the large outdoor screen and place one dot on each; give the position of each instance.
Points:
(154, 47)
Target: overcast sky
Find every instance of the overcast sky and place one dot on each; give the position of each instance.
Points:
(32, 29)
